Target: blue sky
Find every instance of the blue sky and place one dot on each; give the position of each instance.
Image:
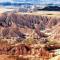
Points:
(34, 1)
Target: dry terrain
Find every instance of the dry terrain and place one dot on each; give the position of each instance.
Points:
(30, 36)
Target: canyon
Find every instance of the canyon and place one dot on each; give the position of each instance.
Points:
(29, 36)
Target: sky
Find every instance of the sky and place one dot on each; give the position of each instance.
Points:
(34, 1)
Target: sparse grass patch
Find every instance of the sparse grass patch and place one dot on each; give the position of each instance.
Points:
(30, 41)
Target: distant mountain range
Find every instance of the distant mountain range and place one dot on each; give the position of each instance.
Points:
(49, 7)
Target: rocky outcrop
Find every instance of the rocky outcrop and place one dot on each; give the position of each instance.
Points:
(29, 20)
(22, 49)
(55, 33)
(16, 25)
(21, 26)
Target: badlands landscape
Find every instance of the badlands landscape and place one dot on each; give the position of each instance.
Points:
(30, 36)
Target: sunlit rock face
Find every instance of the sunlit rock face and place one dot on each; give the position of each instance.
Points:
(55, 33)
(25, 50)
